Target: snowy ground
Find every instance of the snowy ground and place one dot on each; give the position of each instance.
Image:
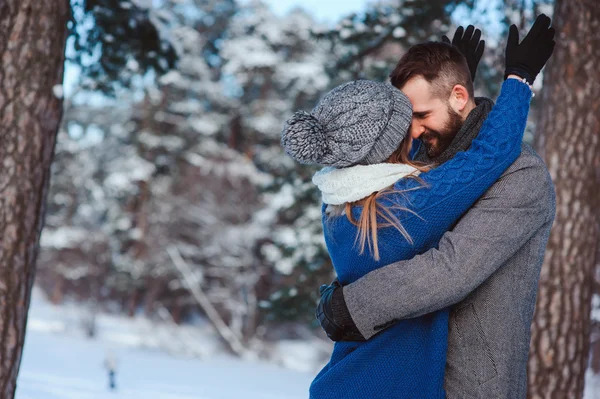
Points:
(592, 386)
(59, 362)
(59, 367)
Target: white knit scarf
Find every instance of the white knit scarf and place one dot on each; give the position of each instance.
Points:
(339, 186)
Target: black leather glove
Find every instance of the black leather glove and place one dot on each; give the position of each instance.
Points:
(469, 44)
(333, 314)
(526, 59)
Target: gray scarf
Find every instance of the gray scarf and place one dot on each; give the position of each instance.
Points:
(464, 137)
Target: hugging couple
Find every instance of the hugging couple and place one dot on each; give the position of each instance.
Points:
(436, 218)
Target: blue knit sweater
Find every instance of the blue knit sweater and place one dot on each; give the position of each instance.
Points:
(407, 360)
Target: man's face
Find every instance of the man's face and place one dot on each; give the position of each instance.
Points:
(434, 122)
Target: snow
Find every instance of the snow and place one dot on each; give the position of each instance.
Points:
(63, 237)
(345, 33)
(285, 266)
(268, 67)
(205, 126)
(399, 32)
(309, 75)
(169, 142)
(244, 168)
(59, 362)
(256, 53)
(596, 307)
(56, 366)
(129, 169)
(171, 77)
(592, 385)
(298, 358)
(58, 91)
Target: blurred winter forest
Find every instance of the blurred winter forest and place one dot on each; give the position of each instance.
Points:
(170, 194)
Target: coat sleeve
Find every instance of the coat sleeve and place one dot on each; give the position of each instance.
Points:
(501, 222)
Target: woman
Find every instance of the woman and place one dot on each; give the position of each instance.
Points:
(374, 196)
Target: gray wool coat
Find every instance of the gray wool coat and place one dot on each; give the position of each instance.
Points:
(487, 269)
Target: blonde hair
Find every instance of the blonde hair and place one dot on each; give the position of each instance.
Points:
(372, 209)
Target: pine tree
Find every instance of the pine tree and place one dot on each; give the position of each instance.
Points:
(31, 69)
(567, 138)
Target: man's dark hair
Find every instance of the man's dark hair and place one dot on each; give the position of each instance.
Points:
(440, 64)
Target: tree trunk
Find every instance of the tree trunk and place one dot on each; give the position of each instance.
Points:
(32, 41)
(568, 138)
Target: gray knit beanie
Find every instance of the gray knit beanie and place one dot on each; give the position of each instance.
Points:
(360, 122)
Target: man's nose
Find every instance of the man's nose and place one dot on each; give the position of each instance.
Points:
(416, 130)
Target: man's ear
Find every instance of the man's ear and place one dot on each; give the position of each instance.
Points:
(459, 97)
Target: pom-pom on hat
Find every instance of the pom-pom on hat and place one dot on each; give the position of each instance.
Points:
(360, 122)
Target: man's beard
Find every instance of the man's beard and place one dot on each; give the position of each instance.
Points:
(436, 142)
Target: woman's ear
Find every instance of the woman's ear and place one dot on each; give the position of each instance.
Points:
(459, 97)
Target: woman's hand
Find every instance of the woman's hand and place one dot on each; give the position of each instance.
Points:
(526, 59)
(333, 314)
(469, 44)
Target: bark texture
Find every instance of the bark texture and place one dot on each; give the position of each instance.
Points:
(567, 137)
(32, 44)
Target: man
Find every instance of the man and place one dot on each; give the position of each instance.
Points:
(487, 266)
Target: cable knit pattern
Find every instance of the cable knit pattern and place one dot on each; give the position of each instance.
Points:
(407, 359)
(359, 122)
